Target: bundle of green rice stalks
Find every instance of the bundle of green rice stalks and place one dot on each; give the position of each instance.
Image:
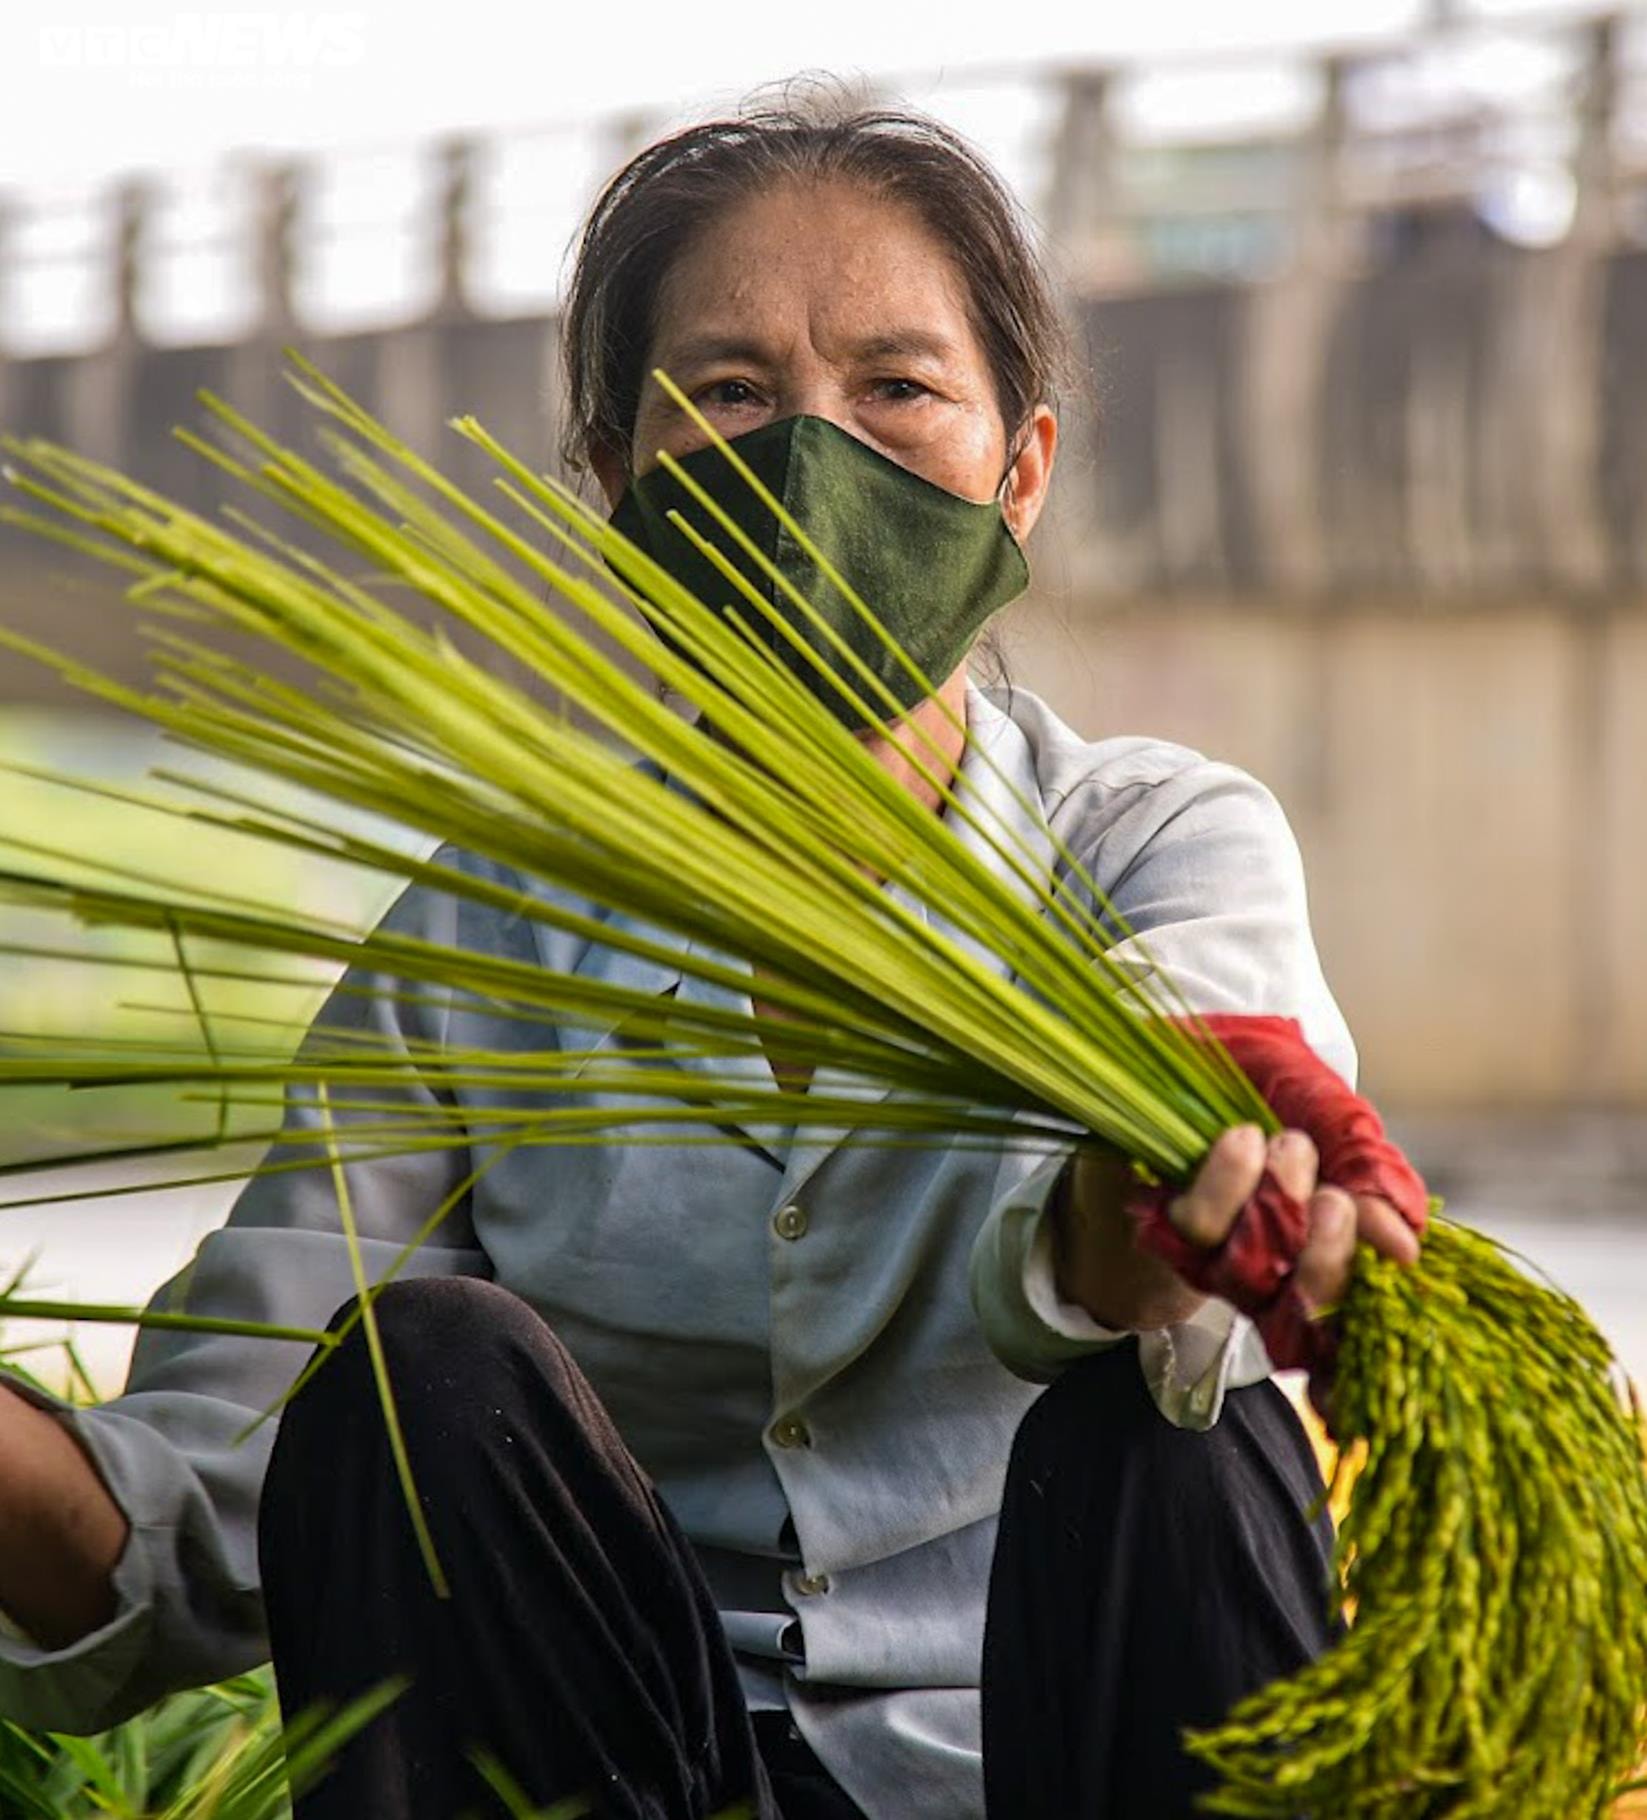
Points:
(1494, 1555)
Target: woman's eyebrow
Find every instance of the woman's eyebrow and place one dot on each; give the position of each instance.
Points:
(712, 349)
(707, 350)
(905, 344)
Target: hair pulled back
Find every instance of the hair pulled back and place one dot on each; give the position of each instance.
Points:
(650, 212)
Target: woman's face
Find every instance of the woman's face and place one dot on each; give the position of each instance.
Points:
(825, 300)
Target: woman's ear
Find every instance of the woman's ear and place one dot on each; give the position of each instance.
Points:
(611, 470)
(1029, 473)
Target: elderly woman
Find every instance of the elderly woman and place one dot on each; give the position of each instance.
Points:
(741, 1459)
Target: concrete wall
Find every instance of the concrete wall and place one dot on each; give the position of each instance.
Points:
(1455, 420)
(1468, 793)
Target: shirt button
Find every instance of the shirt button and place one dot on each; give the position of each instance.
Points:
(790, 1221)
(791, 1431)
(810, 1585)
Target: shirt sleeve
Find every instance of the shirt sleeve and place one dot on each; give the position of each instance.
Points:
(1201, 864)
(172, 1448)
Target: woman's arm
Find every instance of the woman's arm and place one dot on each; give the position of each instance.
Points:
(61, 1532)
(1199, 860)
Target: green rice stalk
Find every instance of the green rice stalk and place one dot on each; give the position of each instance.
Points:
(1494, 1556)
(374, 1346)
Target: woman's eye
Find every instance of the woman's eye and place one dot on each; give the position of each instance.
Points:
(727, 394)
(900, 391)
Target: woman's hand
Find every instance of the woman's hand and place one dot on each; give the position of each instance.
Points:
(1253, 1261)
(1229, 1177)
(1100, 1267)
(1256, 1225)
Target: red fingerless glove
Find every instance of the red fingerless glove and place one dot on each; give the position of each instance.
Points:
(1252, 1268)
(1306, 1095)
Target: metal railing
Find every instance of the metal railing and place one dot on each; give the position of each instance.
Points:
(1239, 165)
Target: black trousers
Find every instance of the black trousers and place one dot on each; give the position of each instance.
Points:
(1144, 1579)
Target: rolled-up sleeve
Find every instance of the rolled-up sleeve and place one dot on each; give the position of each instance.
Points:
(1199, 861)
(173, 1447)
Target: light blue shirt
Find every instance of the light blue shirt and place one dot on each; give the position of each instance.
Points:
(839, 1337)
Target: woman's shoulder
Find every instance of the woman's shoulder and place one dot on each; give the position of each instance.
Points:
(1197, 856)
(1086, 786)
(462, 898)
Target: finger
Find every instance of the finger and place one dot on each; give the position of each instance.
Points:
(1293, 1162)
(1384, 1229)
(1228, 1175)
(1323, 1271)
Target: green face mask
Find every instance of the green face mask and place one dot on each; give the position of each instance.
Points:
(932, 566)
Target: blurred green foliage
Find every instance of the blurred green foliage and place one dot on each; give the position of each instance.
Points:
(113, 983)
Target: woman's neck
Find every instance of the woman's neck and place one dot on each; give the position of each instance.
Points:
(934, 734)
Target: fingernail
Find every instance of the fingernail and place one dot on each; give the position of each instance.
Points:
(1333, 1208)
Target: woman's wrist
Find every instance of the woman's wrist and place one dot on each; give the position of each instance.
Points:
(1097, 1265)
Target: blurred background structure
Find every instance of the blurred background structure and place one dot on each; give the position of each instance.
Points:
(1355, 495)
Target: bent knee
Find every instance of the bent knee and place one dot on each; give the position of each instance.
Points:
(413, 1305)
(1104, 1395)
(1096, 1441)
(1098, 1417)
(435, 1334)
